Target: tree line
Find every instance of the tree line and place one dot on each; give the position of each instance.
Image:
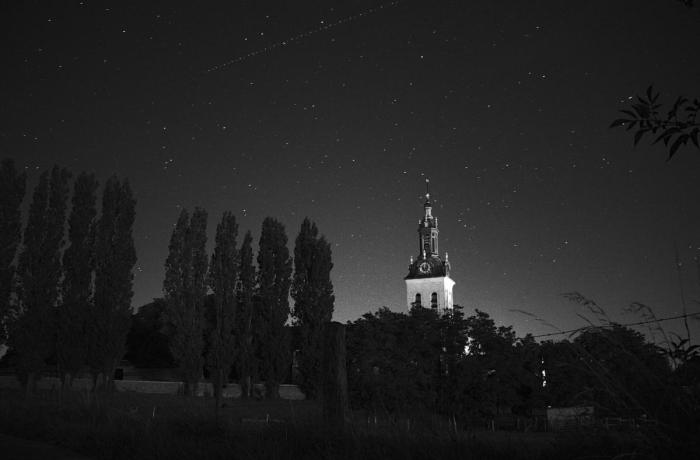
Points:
(71, 305)
(223, 313)
(469, 369)
(66, 302)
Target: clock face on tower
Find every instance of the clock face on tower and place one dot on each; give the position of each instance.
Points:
(424, 267)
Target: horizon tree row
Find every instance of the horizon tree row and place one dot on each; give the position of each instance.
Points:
(71, 305)
(246, 328)
(467, 368)
(69, 302)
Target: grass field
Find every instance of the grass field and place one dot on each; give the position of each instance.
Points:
(140, 426)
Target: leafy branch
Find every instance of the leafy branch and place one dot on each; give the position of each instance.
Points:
(676, 128)
(682, 352)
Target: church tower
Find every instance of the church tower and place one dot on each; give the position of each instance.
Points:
(428, 283)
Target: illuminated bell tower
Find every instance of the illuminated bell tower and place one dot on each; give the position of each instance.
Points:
(428, 283)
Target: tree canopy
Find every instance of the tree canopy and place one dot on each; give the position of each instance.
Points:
(223, 276)
(247, 317)
(115, 257)
(39, 272)
(185, 289)
(77, 284)
(12, 189)
(273, 281)
(312, 291)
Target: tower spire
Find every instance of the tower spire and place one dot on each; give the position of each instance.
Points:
(428, 275)
(427, 206)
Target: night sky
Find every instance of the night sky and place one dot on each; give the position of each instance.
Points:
(340, 110)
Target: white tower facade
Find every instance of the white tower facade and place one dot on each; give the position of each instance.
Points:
(428, 283)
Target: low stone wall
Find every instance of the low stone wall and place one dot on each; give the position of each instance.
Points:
(232, 390)
(292, 392)
(564, 418)
(148, 386)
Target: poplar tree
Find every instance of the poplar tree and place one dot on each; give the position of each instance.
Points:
(185, 288)
(77, 286)
(110, 316)
(223, 274)
(12, 189)
(245, 317)
(39, 271)
(273, 280)
(312, 291)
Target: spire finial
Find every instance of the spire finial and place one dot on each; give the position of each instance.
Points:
(427, 189)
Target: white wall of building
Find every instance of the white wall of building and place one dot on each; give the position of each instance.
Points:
(442, 286)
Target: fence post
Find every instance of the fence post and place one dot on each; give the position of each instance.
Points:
(335, 381)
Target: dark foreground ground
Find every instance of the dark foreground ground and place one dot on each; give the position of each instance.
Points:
(140, 426)
(13, 448)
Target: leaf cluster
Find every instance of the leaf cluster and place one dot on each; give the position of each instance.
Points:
(675, 128)
(681, 351)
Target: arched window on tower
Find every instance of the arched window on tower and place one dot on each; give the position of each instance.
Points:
(433, 300)
(417, 302)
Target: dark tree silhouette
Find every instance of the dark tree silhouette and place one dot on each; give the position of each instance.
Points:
(611, 367)
(395, 360)
(453, 341)
(109, 318)
(494, 372)
(185, 288)
(312, 291)
(223, 275)
(12, 189)
(39, 270)
(77, 285)
(273, 281)
(246, 317)
(418, 362)
(627, 373)
(675, 128)
(377, 362)
(147, 344)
